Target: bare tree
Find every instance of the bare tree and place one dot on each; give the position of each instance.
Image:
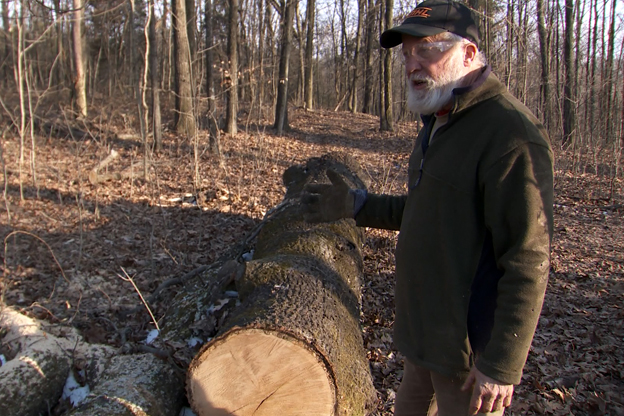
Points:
(386, 119)
(232, 52)
(281, 108)
(191, 28)
(185, 120)
(7, 40)
(154, 71)
(80, 80)
(215, 146)
(544, 63)
(609, 75)
(353, 102)
(569, 99)
(371, 14)
(309, 49)
(263, 14)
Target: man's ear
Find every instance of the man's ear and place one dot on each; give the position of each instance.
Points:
(470, 53)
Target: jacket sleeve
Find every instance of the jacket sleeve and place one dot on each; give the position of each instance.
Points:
(382, 211)
(518, 202)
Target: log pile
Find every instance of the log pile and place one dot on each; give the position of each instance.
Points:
(294, 345)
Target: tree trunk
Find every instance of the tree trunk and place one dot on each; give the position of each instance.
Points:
(309, 49)
(297, 329)
(185, 119)
(210, 93)
(609, 74)
(6, 65)
(281, 108)
(80, 80)
(166, 48)
(344, 55)
(262, 14)
(545, 64)
(155, 80)
(356, 58)
(569, 100)
(232, 88)
(622, 111)
(387, 117)
(509, 43)
(191, 28)
(214, 143)
(368, 58)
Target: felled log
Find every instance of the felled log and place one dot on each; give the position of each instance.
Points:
(138, 384)
(39, 362)
(93, 175)
(294, 345)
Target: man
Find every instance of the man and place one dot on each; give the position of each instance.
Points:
(473, 252)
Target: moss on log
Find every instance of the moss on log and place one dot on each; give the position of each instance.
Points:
(300, 304)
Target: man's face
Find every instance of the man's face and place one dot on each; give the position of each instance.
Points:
(433, 68)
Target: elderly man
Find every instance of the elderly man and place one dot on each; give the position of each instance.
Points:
(473, 252)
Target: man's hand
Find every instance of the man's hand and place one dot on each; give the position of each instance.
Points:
(488, 395)
(326, 203)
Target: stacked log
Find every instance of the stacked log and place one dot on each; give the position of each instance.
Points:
(38, 363)
(137, 384)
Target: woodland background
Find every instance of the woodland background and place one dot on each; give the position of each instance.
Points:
(147, 137)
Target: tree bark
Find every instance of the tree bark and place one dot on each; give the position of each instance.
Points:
(309, 49)
(80, 80)
(356, 58)
(232, 91)
(545, 64)
(263, 12)
(569, 99)
(6, 65)
(609, 74)
(214, 142)
(185, 119)
(368, 58)
(155, 81)
(386, 122)
(191, 28)
(281, 107)
(297, 328)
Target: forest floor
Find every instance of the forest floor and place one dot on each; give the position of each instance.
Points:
(69, 242)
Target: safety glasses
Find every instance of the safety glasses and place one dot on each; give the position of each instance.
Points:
(427, 51)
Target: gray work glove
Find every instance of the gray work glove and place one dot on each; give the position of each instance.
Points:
(326, 203)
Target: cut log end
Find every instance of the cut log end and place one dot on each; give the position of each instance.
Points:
(258, 372)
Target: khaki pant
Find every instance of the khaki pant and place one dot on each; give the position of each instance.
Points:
(425, 393)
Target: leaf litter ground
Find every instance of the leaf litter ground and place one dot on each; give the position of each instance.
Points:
(68, 244)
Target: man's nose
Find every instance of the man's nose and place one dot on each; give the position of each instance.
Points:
(412, 64)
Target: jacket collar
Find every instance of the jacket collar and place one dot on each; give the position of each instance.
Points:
(483, 88)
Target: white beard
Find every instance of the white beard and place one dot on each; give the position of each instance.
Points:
(437, 93)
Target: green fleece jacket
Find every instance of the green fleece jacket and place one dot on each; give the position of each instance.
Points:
(473, 252)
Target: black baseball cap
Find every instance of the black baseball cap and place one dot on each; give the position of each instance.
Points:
(432, 17)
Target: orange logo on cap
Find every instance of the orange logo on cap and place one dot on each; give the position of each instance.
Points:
(420, 12)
